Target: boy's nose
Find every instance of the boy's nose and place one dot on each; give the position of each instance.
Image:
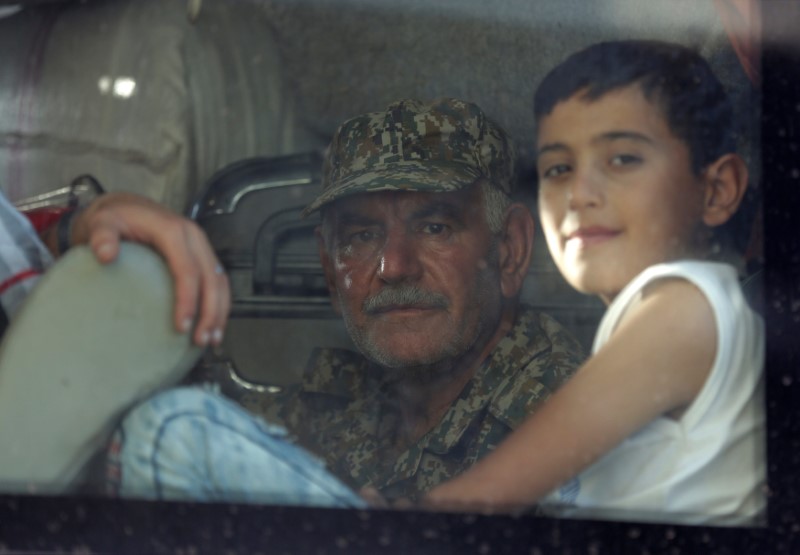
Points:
(584, 190)
(399, 259)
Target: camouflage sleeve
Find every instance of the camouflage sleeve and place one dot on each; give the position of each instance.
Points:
(521, 393)
(330, 383)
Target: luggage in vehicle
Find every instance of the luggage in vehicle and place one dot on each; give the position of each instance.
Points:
(280, 304)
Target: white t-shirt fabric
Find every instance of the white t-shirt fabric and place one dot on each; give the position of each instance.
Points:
(708, 466)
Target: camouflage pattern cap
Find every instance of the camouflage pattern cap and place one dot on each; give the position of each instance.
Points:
(446, 145)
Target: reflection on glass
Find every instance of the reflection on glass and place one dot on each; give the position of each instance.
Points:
(121, 87)
(362, 386)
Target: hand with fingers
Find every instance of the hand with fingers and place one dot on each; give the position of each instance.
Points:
(201, 286)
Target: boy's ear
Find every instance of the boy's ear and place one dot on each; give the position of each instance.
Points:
(726, 182)
(516, 248)
(327, 267)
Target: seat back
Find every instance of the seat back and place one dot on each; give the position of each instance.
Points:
(280, 310)
(251, 211)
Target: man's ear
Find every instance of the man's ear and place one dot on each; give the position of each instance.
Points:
(726, 182)
(516, 248)
(327, 268)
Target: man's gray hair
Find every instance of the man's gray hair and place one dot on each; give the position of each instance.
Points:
(495, 203)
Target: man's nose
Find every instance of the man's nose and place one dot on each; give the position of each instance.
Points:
(585, 189)
(399, 259)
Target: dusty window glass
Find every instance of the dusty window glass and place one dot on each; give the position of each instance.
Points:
(222, 111)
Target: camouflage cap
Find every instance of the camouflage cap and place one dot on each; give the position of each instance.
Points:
(446, 145)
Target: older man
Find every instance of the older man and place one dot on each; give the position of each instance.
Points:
(424, 254)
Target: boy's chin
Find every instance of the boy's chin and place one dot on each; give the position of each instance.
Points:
(605, 289)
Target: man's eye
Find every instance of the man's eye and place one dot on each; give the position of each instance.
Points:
(363, 236)
(434, 228)
(555, 170)
(625, 160)
(357, 236)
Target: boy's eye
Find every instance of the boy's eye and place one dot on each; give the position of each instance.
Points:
(555, 170)
(625, 160)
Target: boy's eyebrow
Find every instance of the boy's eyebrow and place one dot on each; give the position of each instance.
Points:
(551, 147)
(630, 135)
(605, 137)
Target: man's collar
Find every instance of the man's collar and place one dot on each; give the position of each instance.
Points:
(494, 384)
(521, 371)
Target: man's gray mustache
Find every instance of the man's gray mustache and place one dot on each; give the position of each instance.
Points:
(407, 295)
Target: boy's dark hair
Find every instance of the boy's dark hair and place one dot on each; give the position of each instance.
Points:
(677, 78)
(674, 77)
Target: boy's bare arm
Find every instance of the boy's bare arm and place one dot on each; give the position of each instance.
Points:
(655, 363)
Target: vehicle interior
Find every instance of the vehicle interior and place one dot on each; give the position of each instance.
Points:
(222, 110)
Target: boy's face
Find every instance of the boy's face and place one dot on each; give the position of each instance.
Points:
(616, 191)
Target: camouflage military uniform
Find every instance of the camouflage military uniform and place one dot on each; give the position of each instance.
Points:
(343, 412)
(447, 145)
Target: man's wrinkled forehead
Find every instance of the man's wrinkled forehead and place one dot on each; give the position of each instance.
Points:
(417, 204)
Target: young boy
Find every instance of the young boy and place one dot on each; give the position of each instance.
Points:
(637, 171)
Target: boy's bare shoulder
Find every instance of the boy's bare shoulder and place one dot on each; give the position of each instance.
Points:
(673, 330)
(672, 310)
(678, 297)
(672, 285)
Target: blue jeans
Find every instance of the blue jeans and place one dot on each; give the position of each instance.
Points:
(193, 445)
